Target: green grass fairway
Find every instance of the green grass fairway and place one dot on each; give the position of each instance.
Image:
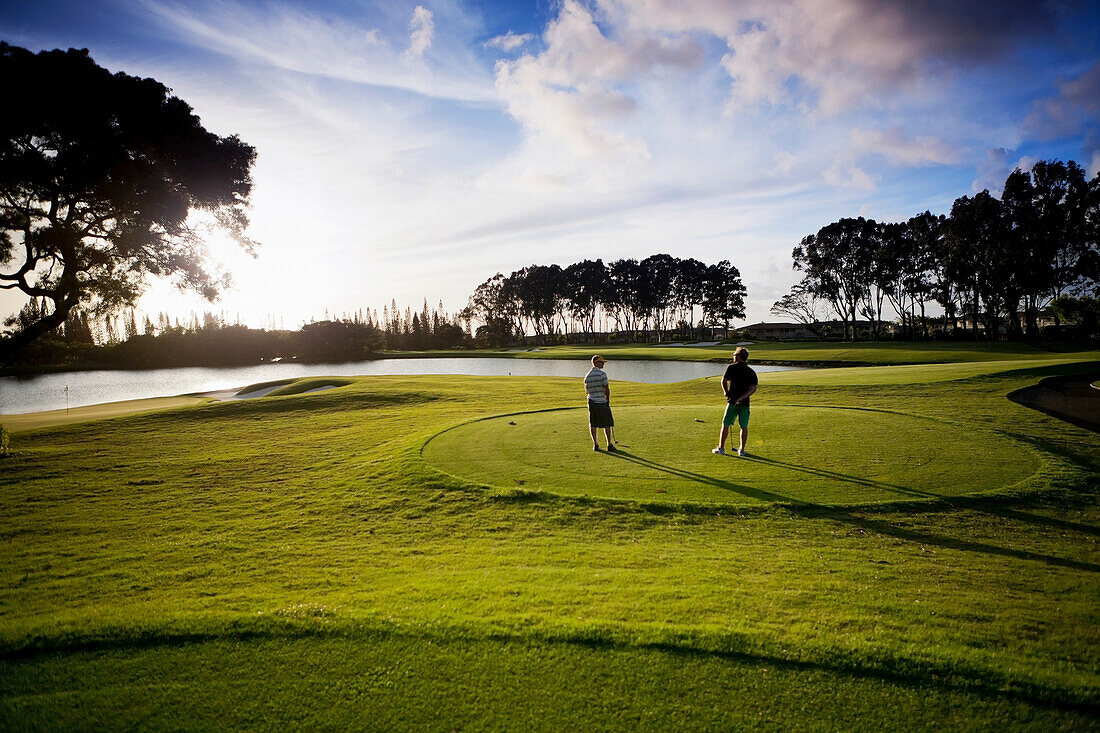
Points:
(798, 454)
(907, 550)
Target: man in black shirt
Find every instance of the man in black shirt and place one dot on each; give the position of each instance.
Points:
(739, 383)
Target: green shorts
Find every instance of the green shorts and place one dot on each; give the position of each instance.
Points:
(736, 413)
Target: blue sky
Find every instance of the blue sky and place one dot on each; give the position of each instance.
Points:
(412, 149)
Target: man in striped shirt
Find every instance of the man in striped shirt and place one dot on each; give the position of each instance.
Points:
(599, 402)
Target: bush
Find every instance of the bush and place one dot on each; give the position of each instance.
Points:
(1083, 312)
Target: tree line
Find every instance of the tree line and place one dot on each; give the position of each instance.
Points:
(635, 298)
(129, 342)
(993, 263)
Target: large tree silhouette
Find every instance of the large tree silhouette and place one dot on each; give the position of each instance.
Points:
(837, 262)
(100, 177)
(586, 288)
(724, 295)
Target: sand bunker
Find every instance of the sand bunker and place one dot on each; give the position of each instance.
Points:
(1072, 399)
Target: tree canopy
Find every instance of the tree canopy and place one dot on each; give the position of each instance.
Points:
(658, 294)
(101, 175)
(997, 262)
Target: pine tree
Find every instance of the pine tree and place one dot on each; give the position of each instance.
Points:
(28, 314)
(109, 330)
(86, 336)
(129, 324)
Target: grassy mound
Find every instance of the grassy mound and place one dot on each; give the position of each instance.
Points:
(798, 454)
(301, 386)
(256, 387)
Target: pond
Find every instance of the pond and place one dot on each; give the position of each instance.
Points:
(75, 389)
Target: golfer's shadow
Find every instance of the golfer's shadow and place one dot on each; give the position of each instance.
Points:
(846, 478)
(700, 478)
(952, 499)
(854, 518)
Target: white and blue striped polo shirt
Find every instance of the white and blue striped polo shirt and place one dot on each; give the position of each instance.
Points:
(594, 383)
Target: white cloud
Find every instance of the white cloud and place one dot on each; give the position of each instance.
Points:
(1073, 111)
(784, 162)
(832, 55)
(422, 27)
(845, 174)
(285, 37)
(849, 167)
(578, 90)
(896, 146)
(510, 41)
(1075, 107)
(994, 170)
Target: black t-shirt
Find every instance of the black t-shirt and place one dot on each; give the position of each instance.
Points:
(741, 377)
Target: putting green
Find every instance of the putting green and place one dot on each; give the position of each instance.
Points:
(796, 454)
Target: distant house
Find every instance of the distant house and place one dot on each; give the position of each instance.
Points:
(861, 330)
(1043, 319)
(778, 332)
(1046, 317)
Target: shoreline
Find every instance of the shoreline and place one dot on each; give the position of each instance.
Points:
(20, 421)
(707, 352)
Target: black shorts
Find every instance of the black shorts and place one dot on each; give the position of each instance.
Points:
(599, 415)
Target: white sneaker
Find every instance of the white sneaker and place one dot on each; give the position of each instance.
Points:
(718, 451)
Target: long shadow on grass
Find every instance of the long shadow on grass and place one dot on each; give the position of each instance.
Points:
(926, 538)
(910, 673)
(986, 507)
(1068, 451)
(845, 478)
(811, 509)
(950, 543)
(700, 478)
(1040, 519)
(913, 673)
